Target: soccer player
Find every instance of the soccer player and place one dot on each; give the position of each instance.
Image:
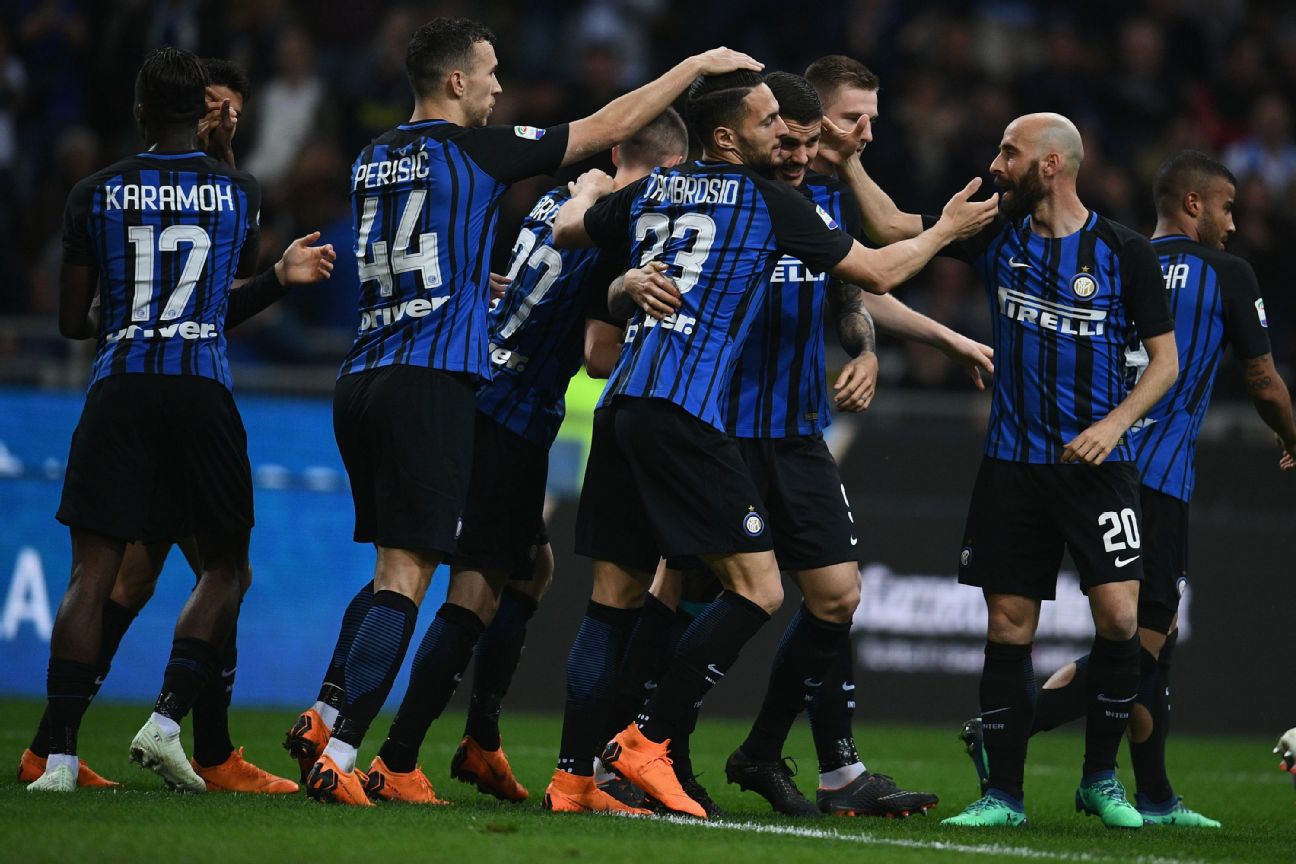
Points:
(160, 450)
(1286, 746)
(776, 410)
(1068, 288)
(721, 226)
(536, 341)
(216, 761)
(425, 198)
(1216, 304)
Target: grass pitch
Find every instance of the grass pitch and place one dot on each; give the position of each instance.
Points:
(1232, 779)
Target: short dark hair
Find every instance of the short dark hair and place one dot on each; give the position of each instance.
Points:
(227, 73)
(171, 85)
(1182, 173)
(797, 100)
(716, 100)
(439, 47)
(663, 138)
(829, 73)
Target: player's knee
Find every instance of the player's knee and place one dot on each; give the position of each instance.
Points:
(1116, 624)
(617, 589)
(1009, 626)
(133, 591)
(838, 607)
(767, 597)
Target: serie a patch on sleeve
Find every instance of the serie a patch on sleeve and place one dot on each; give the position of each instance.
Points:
(529, 132)
(1259, 304)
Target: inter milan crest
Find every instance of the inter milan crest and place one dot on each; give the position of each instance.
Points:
(1083, 285)
(753, 524)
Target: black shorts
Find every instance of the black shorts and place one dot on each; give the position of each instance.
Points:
(802, 489)
(157, 457)
(1023, 516)
(1165, 566)
(611, 524)
(504, 521)
(406, 438)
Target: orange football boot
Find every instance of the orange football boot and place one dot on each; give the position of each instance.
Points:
(647, 765)
(331, 785)
(31, 766)
(307, 739)
(489, 770)
(236, 774)
(411, 787)
(570, 793)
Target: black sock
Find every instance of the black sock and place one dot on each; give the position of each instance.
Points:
(116, 621)
(439, 665)
(1058, 706)
(1007, 704)
(807, 649)
(704, 653)
(211, 736)
(69, 686)
(592, 663)
(832, 709)
(498, 652)
(192, 662)
(374, 659)
(651, 644)
(1148, 758)
(333, 688)
(1112, 685)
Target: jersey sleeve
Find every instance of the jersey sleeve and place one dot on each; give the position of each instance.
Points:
(804, 230)
(77, 245)
(970, 249)
(252, 235)
(1245, 323)
(513, 153)
(608, 221)
(1143, 289)
(604, 272)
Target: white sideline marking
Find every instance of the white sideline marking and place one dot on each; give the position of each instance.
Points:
(998, 849)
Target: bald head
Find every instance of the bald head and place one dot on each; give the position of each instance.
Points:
(1045, 134)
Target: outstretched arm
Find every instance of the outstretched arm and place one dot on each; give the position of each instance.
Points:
(300, 264)
(569, 225)
(1095, 444)
(894, 317)
(626, 115)
(883, 221)
(1273, 403)
(881, 270)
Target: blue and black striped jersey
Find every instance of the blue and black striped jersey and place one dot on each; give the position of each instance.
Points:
(168, 234)
(1064, 309)
(1216, 303)
(425, 200)
(537, 331)
(721, 229)
(779, 387)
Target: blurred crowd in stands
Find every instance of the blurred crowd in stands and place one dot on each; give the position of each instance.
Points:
(1141, 79)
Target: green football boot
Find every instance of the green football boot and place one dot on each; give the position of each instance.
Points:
(1104, 796)
(988, 811)
(1172, 812)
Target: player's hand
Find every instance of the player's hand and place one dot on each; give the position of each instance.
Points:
(975, 357)
(303, 263)
(854, 388)
(720, 60)
(1286, 748)
(966, 217)
(594, 182)
(498, 287)
(217, 127)
(1094, 445)
(1287, 461)
(836, 145)
(653, 291)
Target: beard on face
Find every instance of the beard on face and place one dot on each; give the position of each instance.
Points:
(1210, 232)
(1027, 193)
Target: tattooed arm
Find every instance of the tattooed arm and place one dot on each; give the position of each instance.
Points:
(854, 388)
(1273, 403)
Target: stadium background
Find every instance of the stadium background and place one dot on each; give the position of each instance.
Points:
(1140, 79)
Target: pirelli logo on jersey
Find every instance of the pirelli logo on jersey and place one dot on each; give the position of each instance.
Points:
(1047, 315)
(789, 269)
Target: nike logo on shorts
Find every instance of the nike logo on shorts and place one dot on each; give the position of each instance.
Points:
(1121, 562)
